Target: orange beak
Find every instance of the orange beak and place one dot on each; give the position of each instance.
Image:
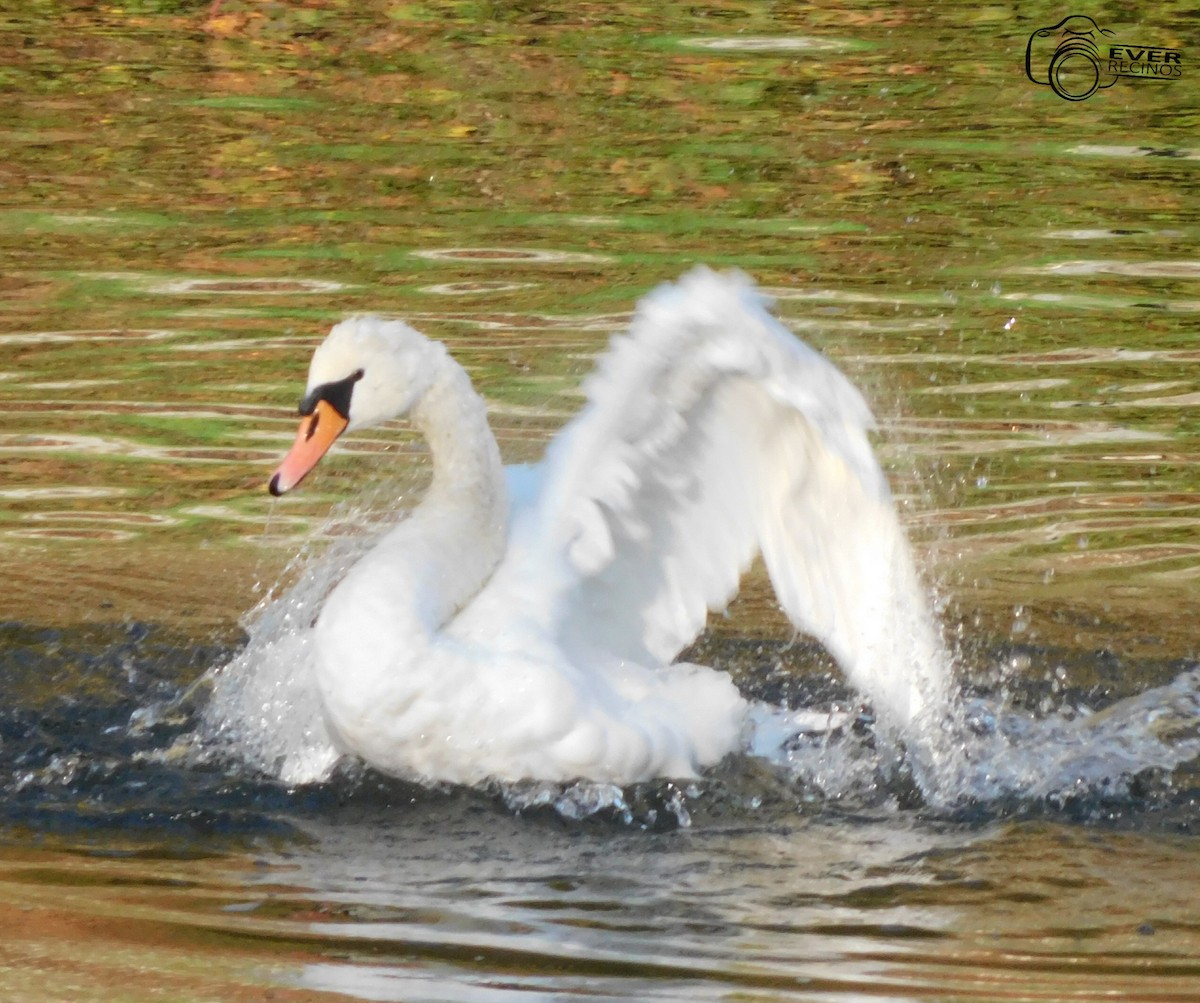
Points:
(318, 431)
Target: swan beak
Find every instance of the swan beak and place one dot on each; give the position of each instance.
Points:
(318, 431)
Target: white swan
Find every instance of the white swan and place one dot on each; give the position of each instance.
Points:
(480, 641)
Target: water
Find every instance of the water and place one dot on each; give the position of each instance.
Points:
(757, 880)
(187, 204)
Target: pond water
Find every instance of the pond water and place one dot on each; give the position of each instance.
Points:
(191, 193)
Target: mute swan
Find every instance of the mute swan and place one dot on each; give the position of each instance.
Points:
(486, 639)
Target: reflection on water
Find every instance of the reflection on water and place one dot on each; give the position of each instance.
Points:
(763, 43)
(1101, 150)
(506, 255)
(749, 881)
(192, 193)
(85, 337)
(475, 288)
(247, 287)
(752, 880)
(1141, 269)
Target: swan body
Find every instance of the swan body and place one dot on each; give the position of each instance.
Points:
(531, 634)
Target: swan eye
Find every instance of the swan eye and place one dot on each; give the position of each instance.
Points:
(335, 394)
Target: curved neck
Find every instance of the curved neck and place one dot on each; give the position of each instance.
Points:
(452, 541)
(467, 469)
(420, 573)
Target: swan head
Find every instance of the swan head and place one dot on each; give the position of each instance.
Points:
(366, 371)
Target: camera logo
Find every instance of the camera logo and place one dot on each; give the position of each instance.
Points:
(1071, 57)
(1076, 58)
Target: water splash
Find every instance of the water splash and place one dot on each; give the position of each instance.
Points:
(987, 751)
(1009, 753)
(264, 712)
(263, 707)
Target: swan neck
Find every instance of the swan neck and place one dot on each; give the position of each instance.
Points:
(467, 469)
(421, 573)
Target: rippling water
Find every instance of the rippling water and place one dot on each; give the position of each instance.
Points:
(822, 876)
(191, 193)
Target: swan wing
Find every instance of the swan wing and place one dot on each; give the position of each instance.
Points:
(712, 434)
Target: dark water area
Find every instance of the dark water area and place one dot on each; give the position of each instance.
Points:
(92, 748)
(119, 841)
(192, 193)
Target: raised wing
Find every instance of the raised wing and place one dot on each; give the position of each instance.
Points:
(712, 434)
